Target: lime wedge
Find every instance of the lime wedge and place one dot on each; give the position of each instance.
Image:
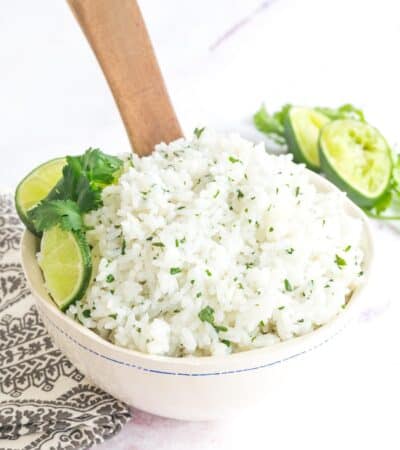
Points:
(35, 187)
(66, 264)
(302, 127)
(357, 158)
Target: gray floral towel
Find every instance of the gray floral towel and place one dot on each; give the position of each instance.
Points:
(45, 403)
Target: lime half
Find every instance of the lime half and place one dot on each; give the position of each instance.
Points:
(35, 187)
(357, 158)
(66, 264)
(302, 127)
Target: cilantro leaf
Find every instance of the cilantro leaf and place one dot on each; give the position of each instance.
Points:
(272, 125)
(56, 212)
(288, 286)
(198, 132)
(87, 197)
(383, 203)
(340, 262)
(281, 114)
(207, 315)
(346, 111)
(75, 186)
(100, 169)
(234, 160)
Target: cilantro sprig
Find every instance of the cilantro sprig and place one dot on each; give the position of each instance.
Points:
(84, 177)
(77, 192)
(346, 111)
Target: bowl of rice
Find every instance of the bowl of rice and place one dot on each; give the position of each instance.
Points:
(217, 267)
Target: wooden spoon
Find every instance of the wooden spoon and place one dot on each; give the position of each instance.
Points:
(118, 36)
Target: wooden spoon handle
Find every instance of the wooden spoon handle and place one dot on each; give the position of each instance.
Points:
(118, 36)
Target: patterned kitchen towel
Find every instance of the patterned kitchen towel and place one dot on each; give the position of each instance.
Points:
(45, 403)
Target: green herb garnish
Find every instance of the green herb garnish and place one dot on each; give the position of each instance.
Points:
(340, 262)
(123, 247)
(77, 192)
(272, 125)
(175, 270)
(346, 111)
(261, 326)
(198, 132)
(84, 177)
(110, 278)
(288, 286)
(64, 213)
(207, 315)
(234, 160)
(158, 244)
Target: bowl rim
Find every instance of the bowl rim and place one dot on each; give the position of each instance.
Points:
(280, 351)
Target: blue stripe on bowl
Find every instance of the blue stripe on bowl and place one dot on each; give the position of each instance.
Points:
(205, 374)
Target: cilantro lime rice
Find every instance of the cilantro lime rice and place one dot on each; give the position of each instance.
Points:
(211, 246)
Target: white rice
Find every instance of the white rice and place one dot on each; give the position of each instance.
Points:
(217, 223)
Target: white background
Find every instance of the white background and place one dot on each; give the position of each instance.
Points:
(221, 59)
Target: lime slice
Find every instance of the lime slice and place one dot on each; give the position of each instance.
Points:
(302, 127)
(357, 158)
(35, 187)
(66, 264)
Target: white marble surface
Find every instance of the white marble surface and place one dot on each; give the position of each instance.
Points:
(221, 59)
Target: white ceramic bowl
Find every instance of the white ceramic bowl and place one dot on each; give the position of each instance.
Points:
(192, 388)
